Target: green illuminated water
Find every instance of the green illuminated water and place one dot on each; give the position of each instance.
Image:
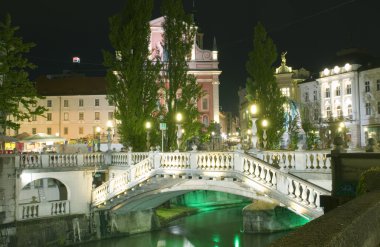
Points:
(210, 228)
(205, 198)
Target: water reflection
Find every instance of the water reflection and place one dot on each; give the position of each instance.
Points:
(212, 228)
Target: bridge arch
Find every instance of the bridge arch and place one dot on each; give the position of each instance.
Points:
(43, 189)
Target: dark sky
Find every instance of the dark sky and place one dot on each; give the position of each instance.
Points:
(310, 31)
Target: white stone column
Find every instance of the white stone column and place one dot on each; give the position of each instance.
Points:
(215, 97)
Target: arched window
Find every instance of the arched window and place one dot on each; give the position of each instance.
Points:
(339, 112)
(349, 111)
(328, 112)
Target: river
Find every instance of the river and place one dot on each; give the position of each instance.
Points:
(217, 228)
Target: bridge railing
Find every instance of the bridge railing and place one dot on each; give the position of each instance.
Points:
(292, 188)
(43, 209)
(30, 161)
(121, 183)
(297, 160)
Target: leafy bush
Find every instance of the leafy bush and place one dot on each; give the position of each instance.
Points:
(369, 180)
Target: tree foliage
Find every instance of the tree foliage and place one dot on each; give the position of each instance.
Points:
(132, 77)
(262, 86)
(181, 91)
(18, 96)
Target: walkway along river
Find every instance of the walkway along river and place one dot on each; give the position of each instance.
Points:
(216, 228)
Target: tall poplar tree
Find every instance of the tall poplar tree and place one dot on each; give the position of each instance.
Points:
(18, 96)
(262, 86)
(181, 89)
(132, 77)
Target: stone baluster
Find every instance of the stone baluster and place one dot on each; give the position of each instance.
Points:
(268, 177)
(311, 198)
(304, 194)
(290, 187)
(297, 191)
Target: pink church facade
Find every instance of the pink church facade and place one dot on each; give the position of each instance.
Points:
(203, 65)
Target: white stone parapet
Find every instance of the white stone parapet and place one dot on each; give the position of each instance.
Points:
(298, 194)
(44, 209)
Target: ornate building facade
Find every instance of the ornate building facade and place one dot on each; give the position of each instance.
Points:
(203, 65)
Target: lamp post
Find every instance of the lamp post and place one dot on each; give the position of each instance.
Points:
(148, 126)
(253, 109)
(212, 140)
(265, 123)
(109, 138)
(98, 129)
(178, 118)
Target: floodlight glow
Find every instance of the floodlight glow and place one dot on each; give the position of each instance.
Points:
(148, 125)
(253, 109)
(326, 71)
(178, 117)
(336, 69)
(347, 66)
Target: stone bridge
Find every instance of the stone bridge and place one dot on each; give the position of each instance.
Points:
(49, 185)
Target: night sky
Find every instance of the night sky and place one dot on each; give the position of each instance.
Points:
(310, 31)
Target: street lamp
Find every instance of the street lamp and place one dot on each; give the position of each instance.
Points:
(212, 140)
(265, 124)
(254, 109)
(178, 118)
(98, 129)
(148, 126)
(109, 138)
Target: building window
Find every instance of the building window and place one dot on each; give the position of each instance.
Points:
(81, 115)
(48, 131)
(339, 112)
(327, 94)
(205, 120)
(81, 102)
(378, 107)
(328, 112)
(315, 95)
(65, 116)
(367, 86)
(66, 103)
(307, 97)
(66, 131)
(348, 88)
(367, 109)
(349, 111)
(97, 115)
(205, 103)
(285, 91)
(34, 131)
(337, 91)
(49, 116)
(110, 115)
(378, 85)
(49, 103)
(80, 130)
(96, 102)
(34, 117)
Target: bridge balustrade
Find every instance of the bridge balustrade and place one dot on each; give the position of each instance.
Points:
(29, 161)
(296, 191)
(43, 209)
(305, 160)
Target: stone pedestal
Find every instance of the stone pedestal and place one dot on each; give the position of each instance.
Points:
(267, 217)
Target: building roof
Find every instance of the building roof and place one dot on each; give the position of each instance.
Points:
(354, 56)
(71, 85)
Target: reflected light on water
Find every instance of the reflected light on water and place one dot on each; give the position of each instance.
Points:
(236, 240)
